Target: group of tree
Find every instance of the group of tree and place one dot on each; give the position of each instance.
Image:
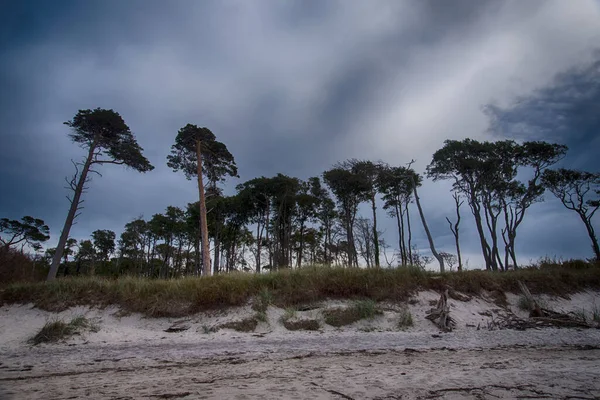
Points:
(282, 221)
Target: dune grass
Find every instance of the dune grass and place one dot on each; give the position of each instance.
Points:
(56, 330)
(287, 288)
(362, 309)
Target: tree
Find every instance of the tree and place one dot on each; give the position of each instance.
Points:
(86, 253)
(396, 185)
(370, 172)
(454, 227)
(415, 179)
(108, 140)
(574, 188)
(449, 259)
(196, 152)
(350, 190)
(104, 243)
(485, 173)
(27, 231)
(306, 211)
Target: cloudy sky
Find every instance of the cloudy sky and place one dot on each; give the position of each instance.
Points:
(290, 87)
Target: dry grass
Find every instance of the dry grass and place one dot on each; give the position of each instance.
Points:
(363, 309)
(405, 320)
(56, 330)
(244, 325)
(180, 297)
(302, 325)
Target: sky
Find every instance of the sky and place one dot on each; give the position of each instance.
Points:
(289, 87)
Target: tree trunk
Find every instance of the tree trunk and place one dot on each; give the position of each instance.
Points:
(400, 224)
(429, 238)
(410, 254)
(301, 245)
(485, 248)
(217, 263)
(591, 234)
(203, 224)
(258, 245)
(375, 234)
(71, 215)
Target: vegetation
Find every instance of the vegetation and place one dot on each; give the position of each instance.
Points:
(361, 309)
(54, 331)
(244, 325)
(302, 325)
(179, 297)
(108, 140)
(405, 320)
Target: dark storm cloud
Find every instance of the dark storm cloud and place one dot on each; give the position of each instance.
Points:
(290, 87)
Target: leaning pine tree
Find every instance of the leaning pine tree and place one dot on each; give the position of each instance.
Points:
(108, 140)
(196, 152)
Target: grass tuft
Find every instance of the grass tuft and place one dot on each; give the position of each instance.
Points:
(362, 309)
(302, 325)
(56, 330)
(244, 325)
(405, 320)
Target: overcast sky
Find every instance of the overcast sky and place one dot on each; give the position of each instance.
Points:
(289, 86)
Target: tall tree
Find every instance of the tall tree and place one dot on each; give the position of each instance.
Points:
(415, 179)
(350, 190)
(196, 152)
(306, 211)
(370, 172)
(578, 191)
(257, 196)
(486, 173)
(108, 140)
(396, 185)
(27, 231)
(104, 243)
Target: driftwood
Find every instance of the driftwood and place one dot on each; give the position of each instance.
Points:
(538, 317)
(440, 315)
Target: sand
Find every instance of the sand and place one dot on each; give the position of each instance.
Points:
(132, 357)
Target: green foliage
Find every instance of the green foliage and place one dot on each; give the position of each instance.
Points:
(217, 161)
(27, 231)
(104, 243)
(107, 132)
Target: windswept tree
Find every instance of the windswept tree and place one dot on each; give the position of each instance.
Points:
(486, 174)
(578, 191)
(27, 231)
(108, 140)
(196, 152)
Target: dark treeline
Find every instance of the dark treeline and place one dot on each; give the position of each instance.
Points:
(285, 222)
